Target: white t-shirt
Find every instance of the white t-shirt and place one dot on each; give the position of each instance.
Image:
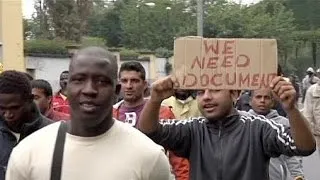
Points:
(122, 153)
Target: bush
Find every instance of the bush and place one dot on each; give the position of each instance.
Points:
(163, 53)
(92, 41)
(128, 53)
(45, 47)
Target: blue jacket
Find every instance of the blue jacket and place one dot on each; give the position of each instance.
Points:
(8, 140)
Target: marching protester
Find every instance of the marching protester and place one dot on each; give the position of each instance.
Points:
(261, 102)
(93, 145)
(19, 116)
(42, 95)
(133, 83)
(183, 106)
(312, 110)
(60, 101)
(224, 144)
(307, 81)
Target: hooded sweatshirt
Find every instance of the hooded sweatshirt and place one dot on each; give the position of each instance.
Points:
(9, 139)
(278, 167)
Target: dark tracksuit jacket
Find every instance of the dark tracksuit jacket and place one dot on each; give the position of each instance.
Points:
(237, 147)
(8, 140)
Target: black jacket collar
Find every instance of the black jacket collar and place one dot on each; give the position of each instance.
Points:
(225, 124)
(36, 123)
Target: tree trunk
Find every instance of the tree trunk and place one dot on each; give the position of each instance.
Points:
(314, 54)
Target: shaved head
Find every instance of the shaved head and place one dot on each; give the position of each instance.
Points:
(98, 53)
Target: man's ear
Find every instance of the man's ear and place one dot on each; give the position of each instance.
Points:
(49, 99)
(118, 88)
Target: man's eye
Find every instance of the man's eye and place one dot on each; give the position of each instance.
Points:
(78, 80)
(104, 82)
(200, 92)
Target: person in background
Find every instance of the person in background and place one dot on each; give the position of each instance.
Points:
(183, 106)
(243, 102)
(42, 95)
(261, 102)
(60, 102)
(318, 73)
(307, 81)
(132, 77)
(19, 116)
(312, 110)
(92, 145)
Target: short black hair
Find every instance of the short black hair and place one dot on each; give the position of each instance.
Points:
(133, 66)
(28, 76)
(42, 84)
(64, 72)
(99, 52)
(15, 82)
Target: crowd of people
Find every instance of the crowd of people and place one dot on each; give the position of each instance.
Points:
(85, 132)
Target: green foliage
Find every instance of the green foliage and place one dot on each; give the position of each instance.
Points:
(128, 53)
(92, 41)
(26, 29)
(133, 24)
(45, 47)
(163, 53)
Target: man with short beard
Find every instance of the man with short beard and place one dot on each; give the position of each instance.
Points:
(225, 144)
(133, 83)
(183, 104)
(261, 101)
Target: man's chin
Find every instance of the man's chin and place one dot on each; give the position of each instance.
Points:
(13, 125)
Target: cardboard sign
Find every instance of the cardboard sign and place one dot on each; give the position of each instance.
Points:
(201, 63)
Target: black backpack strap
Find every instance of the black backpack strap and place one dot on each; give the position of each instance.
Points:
(57, 158)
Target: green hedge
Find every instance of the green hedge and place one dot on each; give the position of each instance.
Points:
(55, 48)
(129, 53)
(45, 47)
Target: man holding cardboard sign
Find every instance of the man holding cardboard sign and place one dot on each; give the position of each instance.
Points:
(225, 144)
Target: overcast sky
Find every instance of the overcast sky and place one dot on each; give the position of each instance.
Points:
(27, 6)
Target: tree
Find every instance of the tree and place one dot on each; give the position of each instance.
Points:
(26, 29)
(307, 19)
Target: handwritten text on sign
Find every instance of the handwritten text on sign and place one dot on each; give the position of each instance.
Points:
(224, 63)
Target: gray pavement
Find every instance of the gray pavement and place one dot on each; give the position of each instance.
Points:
(311, 166)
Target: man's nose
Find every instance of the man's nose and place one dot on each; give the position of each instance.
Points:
(207, 95)
(89, 89)
(128, 84)
(8, 114)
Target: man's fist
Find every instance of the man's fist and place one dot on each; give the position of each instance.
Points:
(284, 91)
(162, 89)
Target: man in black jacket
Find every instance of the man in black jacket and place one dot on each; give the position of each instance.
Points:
(19, 116)
(226, 145)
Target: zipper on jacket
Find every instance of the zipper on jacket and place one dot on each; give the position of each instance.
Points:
(220, 129)
(220, 152)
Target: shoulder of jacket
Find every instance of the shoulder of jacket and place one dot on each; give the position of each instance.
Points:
(192, 120)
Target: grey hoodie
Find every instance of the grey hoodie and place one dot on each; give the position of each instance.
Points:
(278, 168)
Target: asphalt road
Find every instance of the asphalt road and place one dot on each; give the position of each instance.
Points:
(311, 166)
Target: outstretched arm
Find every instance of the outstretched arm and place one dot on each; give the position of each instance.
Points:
(300, 130)
(149, 118)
